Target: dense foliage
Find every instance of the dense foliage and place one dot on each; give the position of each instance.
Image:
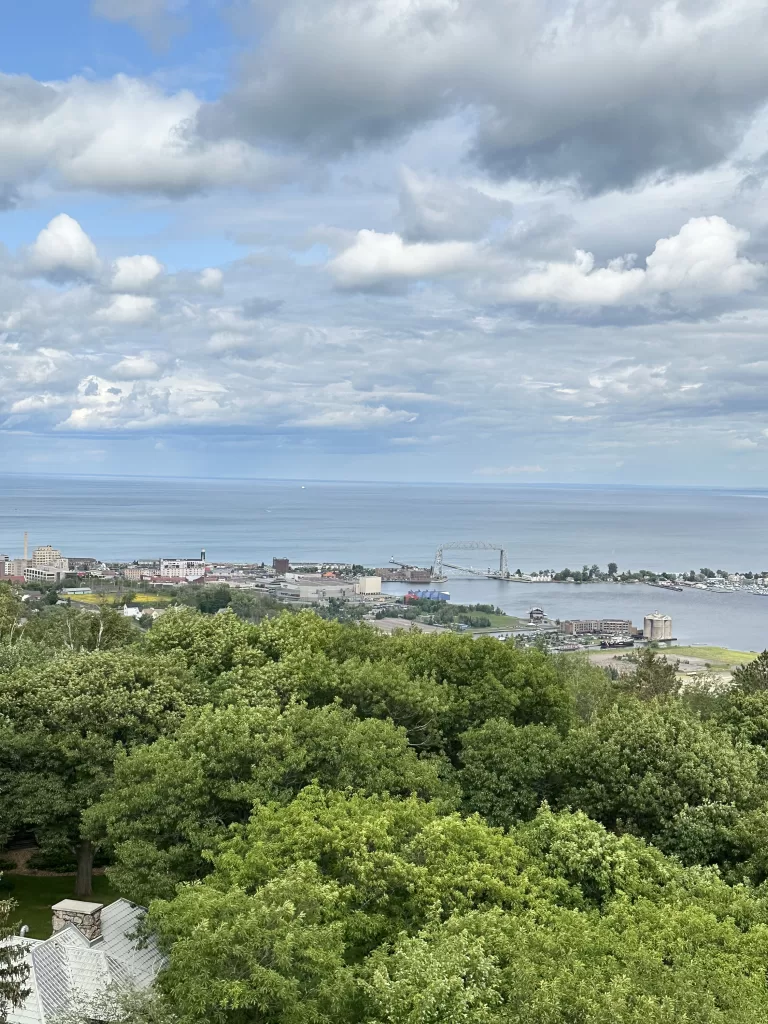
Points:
(443, 613)
(14, 970)
(333, 825)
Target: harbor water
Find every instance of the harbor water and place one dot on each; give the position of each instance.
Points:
(735, 620)
(542, 527)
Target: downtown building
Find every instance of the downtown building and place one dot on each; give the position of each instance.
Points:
(597, 627)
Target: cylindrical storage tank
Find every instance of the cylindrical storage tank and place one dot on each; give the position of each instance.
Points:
(657, 626)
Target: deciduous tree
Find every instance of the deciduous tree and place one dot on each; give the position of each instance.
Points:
(171, 801)
(14, 970)
(64, 724)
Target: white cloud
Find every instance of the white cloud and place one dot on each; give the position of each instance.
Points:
(63, 251)
(136, 368)
(357, 418)
(135, 273)
(699, 262)
(435, 210)
(604, 93)
(743, 444)
(412, 440)
(576, 419)
(37, 403)
(127, 309)
(100, 401)
(118, 135)
(376, 259)
(508, 470)
(226, 341)
(139, 405)
(210, 279)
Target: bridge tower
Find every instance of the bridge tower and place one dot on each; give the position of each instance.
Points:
(470, 545)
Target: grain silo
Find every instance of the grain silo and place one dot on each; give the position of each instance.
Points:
(657, 626)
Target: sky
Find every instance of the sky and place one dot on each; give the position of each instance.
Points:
(418, 240)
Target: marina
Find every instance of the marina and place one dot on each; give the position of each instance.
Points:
(736, 620)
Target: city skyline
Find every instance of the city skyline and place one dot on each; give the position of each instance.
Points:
(419, 240)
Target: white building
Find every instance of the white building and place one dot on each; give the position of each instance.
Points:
(320, 589)
(657, 626)
(44, 574)
(368, 585)
(92, 953)
(183, 568)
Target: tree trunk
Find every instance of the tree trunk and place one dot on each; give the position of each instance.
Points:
(84, 869)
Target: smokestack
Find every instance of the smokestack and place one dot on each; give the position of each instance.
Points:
(26, 546)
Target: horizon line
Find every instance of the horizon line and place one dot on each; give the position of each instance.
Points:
(492, 482)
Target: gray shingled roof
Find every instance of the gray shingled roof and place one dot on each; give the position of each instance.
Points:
(68, 971)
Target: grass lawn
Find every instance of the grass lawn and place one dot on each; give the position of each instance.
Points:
(90, 598)
(35, 895)
(153, 600)
(504, 621)
(714, 655)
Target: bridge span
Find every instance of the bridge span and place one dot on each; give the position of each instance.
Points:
(440, 564)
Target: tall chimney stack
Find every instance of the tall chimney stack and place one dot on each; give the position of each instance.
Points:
(26, 546)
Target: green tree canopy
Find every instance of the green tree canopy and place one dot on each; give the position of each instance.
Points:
(752, 677)
(61, 628)
(171, 801)
(354, 909)
(334, 826)
(653, 676)
(63, 724)
(638, 766)
(508, 769)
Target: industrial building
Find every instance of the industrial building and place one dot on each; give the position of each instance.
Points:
(405, 574)
(657, 626)
(369, 585)
(79, 564)
(281, 566)
(597, 627)
(318, 589)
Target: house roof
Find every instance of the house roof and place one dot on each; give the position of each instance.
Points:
(69, 971)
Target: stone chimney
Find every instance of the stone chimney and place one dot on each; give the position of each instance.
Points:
(85, 916)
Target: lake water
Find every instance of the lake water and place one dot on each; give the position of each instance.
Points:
(542, 527)
(734, 620)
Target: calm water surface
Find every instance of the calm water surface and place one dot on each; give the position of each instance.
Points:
(541, 526)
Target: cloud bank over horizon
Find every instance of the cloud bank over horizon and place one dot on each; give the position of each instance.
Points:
(422, 239)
